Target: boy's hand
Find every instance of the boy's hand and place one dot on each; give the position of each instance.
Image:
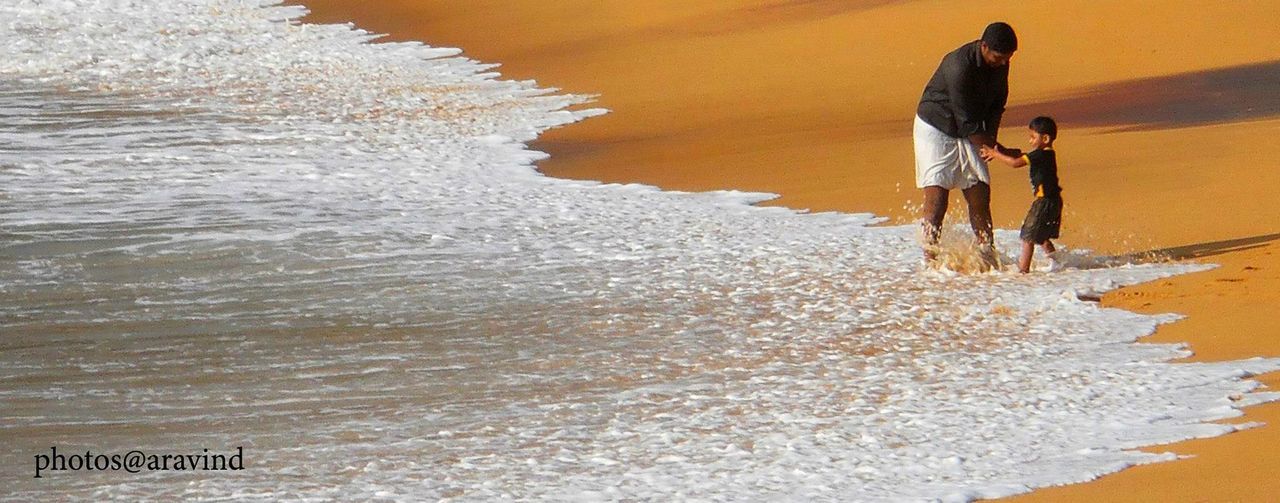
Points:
(988, 153)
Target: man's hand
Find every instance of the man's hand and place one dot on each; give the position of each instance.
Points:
(1010, 156)
(982, 140)
(992, 153)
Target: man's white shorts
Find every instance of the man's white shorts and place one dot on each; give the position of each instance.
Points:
(950, 163)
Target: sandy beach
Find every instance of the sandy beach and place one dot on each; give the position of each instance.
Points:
(1165, 114)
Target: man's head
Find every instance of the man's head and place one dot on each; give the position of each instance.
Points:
(998, 44)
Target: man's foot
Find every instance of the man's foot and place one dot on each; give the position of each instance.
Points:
(990, 259)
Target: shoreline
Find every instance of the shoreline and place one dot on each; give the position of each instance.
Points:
(703, 114)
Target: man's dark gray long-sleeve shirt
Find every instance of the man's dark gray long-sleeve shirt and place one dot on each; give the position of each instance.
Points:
(965, 96)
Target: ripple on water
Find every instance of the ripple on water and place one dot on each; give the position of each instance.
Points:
(223, 227)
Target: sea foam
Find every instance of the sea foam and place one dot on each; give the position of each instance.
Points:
(224, 227)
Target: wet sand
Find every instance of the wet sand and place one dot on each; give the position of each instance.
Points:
(1166, 116)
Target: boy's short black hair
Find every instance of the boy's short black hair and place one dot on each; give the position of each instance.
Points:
(1045, 125)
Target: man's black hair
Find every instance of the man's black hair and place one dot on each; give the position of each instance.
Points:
(1045, 125)
(999, 37)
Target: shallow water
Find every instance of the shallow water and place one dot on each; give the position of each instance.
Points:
(222, 228)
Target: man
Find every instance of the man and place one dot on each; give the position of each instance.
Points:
(959, 113)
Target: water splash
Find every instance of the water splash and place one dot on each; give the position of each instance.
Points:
(224, 227)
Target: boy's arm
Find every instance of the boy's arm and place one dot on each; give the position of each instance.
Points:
(1002, 154)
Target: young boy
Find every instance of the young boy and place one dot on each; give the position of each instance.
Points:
(1044, 219)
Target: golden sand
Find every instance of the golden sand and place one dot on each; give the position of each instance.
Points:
(1168, 111)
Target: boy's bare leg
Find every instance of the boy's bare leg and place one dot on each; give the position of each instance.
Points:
(1024, 260)
(935, 209)
(1047, 246)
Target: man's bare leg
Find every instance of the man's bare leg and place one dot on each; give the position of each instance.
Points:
(935, 209)
(979, 198)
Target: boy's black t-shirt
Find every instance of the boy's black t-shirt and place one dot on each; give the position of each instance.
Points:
(1044, 172)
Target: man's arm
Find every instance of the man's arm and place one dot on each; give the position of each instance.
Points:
(965, 102)
(996, 112)
(997, 109)
(1011, 152)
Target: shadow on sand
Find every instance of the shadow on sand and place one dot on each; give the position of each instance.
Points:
(1219, 96)
(1199, 250)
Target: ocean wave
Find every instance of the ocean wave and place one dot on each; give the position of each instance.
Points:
(223, 226)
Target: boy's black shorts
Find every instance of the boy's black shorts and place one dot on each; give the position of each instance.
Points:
(1043, 221)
